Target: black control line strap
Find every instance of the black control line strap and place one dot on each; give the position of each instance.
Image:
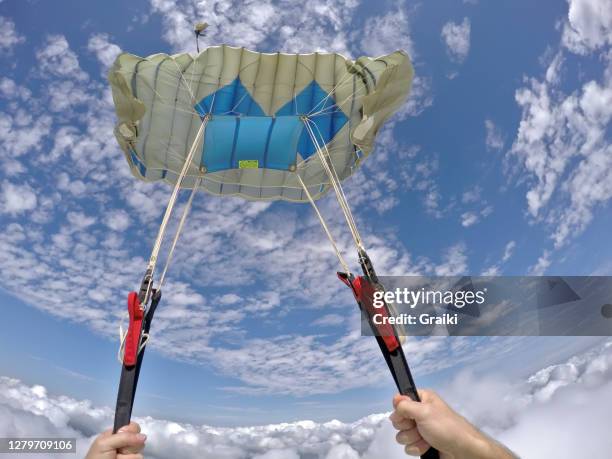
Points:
(130, 372)
(363, 288)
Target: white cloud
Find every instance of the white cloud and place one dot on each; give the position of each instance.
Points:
(508, 251)
(586, 423)
(79, 221)
(588, 26)
(329, 320)
(494, 138)
(431, 202)
(104, 49)
(471, 217)
(284, 453)
(67, 94)
(16, 199)
(454, 262)
(56, 58)
(421, 96)
(386, 33)
(10, 90)
(528, 416)
(553, 71)
(562, 143)
(117, 220)
(65, 183)
(29, 410)
(563, 138)
(229, 298)
(321, 25)
(472, 195)
(495, 269)
(541, 265)
(468, 219)
(9, 37)
(21, 132)
(456, 36)
(418, 173)
(342, 451)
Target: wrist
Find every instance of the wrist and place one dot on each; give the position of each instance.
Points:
(480, 446)
(476, 445)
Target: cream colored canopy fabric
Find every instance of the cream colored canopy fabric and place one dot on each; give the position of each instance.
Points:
(266, 116)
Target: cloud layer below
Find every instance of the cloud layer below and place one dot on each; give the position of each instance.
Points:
(561, 411)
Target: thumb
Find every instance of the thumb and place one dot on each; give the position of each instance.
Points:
(132, 427)
(398, 398)
(123, 440)
(410, 409)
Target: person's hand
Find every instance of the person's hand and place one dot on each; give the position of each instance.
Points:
(127, 443)
(432, 422)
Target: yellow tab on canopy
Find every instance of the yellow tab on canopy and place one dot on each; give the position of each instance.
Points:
(248, 164)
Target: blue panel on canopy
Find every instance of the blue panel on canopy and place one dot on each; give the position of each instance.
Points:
(285, 134)
(263, 142)
(219, 143)
(233, 99)
(240, 130)
(322, 110)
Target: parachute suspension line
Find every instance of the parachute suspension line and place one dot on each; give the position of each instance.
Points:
(315, 110)
(337, 105)
(145, 337)
(338, 181)
(325, 227)
(142, 305)
(179, 230)
(169, 209)
(182, 78)
(335, 182)
(364, 287)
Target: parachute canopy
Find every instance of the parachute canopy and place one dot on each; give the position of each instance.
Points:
(266, 117)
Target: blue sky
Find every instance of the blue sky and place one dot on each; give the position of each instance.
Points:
(499, 163)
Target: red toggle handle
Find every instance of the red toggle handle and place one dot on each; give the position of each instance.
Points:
(364, 294)
(132, 339)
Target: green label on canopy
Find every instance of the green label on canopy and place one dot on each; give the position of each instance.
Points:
(248, 164)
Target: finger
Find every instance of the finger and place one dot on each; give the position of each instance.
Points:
(130, 456)
(395, 416)
(132, 427)
(404, 424)
(417, 449)
(96, 445)
(411, 409)
(400, 422)
(131, 449)
(408, 437)
(122, 440)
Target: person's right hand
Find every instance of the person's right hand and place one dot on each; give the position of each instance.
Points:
(431, 422)
(127, 443)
